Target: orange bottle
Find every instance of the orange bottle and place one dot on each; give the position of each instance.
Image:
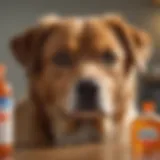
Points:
(146, 134)
(6, 121)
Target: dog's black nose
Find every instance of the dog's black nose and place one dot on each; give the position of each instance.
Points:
(87, 94)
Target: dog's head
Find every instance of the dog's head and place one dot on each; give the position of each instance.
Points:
(82, 64)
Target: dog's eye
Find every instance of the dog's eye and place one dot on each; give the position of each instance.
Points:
(109, 57)
(62, 59)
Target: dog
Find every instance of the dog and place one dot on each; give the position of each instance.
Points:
(82, 79)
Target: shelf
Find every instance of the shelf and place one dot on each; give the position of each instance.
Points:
(152, 78)
(156, 3)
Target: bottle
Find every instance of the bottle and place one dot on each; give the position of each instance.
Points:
(146, 134)
(6, 116)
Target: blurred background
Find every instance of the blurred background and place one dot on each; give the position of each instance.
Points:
(16, 15)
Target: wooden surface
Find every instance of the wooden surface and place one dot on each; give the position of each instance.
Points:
(91, 152)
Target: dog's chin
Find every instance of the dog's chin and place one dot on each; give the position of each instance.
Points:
(86, 115)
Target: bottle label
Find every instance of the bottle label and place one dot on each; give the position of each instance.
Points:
(148, 134)
(149, 140)
(5, 103)
(6, 131)
(6, 121)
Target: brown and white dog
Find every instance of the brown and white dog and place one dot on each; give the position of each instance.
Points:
(81, 78)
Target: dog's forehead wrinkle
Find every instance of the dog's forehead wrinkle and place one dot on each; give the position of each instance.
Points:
(77, 25)
(49, 19)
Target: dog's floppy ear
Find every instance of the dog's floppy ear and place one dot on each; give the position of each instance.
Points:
(143, 47)
(22, 46)
(135, 42)
(27, 45)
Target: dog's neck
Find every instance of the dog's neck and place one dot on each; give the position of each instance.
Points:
(130, 103)
(129, 96)
(121, 122)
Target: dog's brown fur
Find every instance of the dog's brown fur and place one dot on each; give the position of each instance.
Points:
(85, 39)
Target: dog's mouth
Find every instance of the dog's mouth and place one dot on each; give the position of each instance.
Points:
(85, 104)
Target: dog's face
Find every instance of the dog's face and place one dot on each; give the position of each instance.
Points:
(82, 65)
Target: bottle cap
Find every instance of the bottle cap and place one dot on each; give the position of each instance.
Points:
(149, 106)
(2, 70)
(5, 89)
